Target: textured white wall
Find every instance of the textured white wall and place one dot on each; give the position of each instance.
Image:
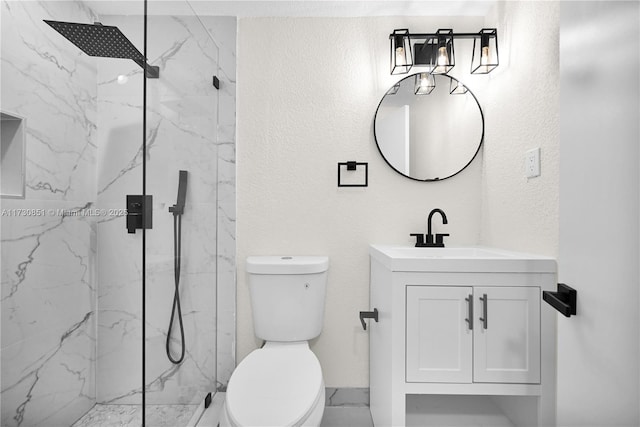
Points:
(521, 113)
(598, 351)
(307, 93)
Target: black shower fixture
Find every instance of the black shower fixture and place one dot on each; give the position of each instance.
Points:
(103, 41)
(177, 210)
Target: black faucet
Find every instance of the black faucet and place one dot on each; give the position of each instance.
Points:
(439, 238)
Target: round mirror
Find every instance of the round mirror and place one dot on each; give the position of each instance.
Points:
(429, 127)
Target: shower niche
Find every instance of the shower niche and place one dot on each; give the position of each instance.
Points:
(12, 164)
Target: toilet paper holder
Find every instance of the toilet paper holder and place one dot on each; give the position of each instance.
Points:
(564, 300)
(368, 315)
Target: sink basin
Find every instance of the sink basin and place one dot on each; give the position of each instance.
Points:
(460, 259)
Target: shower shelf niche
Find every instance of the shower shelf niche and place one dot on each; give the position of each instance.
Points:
(12, 181)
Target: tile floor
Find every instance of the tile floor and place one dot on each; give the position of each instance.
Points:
(424, 411)
(180, 415)
(346, 416)
(334, 416)
(131, 416)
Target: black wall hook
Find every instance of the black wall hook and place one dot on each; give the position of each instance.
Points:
(564, 300)
(368, 315)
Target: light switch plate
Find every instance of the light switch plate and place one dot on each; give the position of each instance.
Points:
(532, 163)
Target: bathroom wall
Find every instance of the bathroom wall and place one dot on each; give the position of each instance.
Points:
(598, 350)
(48, 277)
(314, 106)
(521, 113)
(310, 108)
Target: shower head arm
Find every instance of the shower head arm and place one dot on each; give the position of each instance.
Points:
(150, 71)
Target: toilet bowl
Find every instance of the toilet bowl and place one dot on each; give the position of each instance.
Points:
(278, 385)
(281, 383)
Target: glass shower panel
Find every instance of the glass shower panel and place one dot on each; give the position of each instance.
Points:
(182, 158)
(119, 263)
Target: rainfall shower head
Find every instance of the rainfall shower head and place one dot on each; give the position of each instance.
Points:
(103, 41)
(97, 40)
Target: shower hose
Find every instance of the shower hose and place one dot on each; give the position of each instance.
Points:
(177, 237)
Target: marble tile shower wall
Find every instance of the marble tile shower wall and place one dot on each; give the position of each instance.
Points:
(48, 280)
(71, 288)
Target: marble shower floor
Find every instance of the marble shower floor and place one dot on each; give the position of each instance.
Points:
(131, 416)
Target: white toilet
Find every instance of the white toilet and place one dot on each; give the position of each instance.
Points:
(281, 383)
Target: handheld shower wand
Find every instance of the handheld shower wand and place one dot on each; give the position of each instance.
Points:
(177, 211)
(178, 208)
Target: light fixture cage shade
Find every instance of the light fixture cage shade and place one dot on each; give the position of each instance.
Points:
(401, 56)
(456, 87)
(443, 60)
(424, 84)
(394, 89)
(485, 52)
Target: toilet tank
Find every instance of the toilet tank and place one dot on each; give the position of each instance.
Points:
(287, 296)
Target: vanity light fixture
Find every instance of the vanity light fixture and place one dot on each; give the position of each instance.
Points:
(425, 84)
(434, 52)
(444, 58)
(394, 89)
(401, 57)
(425, 54)
(457, 88)
(485, 52)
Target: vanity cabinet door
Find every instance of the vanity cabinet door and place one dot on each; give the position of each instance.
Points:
(439, 342)
(507, 340)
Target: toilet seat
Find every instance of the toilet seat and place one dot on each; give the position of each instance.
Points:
(278, 385)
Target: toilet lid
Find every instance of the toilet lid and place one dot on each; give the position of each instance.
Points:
(274, 386)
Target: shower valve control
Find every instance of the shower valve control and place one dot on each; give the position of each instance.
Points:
(139, 212)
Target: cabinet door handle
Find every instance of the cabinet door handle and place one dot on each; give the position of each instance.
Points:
(469, 319)
(483, 319)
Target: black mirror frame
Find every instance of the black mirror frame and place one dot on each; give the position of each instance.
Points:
(437, 178)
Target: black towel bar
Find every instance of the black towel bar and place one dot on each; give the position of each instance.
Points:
(564, 300)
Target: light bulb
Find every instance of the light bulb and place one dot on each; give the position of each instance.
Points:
(425, 84)
(122, 79)
(400, 57)
(443, 58)
(484, 57)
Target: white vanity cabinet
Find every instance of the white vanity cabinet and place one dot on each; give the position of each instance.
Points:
(459, 334)
(462, 321)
